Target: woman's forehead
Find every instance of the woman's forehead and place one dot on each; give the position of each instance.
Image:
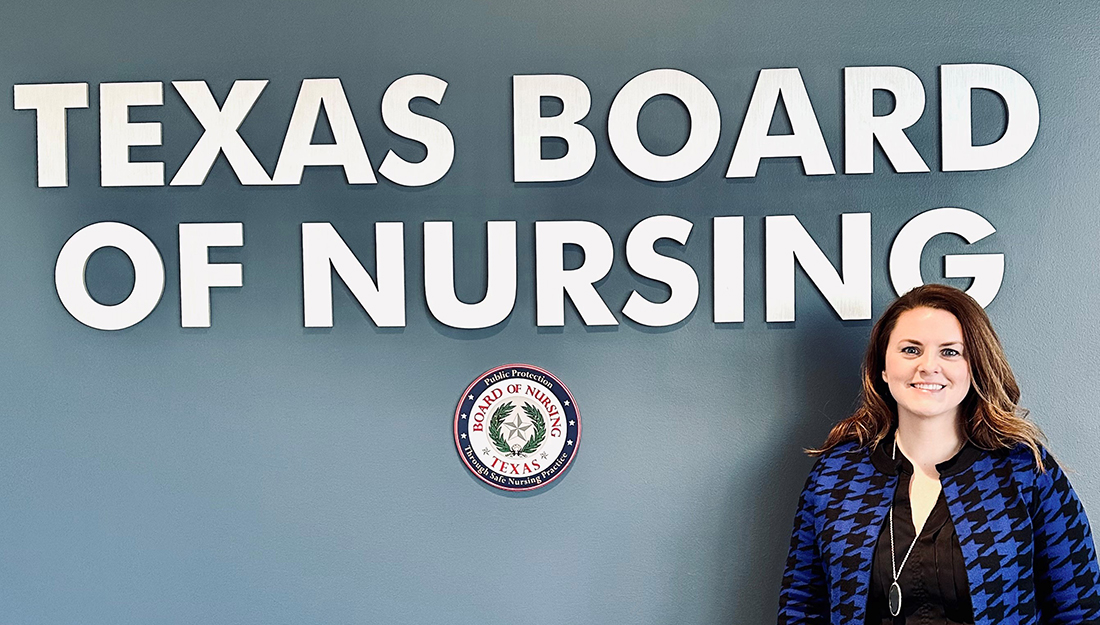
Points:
(927, 325)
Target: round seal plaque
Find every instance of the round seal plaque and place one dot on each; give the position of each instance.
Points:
(517, 427)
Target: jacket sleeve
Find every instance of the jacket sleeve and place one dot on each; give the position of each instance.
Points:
(1067, 579)
(803, 596)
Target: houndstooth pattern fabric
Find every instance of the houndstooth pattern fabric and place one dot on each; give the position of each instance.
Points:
(1024, 536)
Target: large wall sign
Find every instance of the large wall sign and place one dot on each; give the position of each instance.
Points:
(383, 296)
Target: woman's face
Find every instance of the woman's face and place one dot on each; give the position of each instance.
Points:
(926, 367)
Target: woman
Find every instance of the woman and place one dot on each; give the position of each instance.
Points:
(935, 502)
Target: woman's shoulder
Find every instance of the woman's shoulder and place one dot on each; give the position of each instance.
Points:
(1022, 457)
(843, 452)
(841, 448)
(843, 458)
(1024, 467)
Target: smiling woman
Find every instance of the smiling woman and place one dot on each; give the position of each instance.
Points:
(936, 502)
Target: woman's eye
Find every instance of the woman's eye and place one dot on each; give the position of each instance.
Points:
(950, 353)
(910, 349)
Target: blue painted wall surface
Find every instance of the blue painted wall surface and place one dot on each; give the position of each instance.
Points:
(260, 473)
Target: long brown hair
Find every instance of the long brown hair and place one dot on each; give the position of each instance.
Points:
(992, 417)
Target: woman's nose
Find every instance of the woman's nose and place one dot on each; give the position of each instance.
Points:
(930, 362)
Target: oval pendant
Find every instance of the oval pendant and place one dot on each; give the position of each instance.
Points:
(895, 599)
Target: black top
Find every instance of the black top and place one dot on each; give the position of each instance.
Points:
(934, 586)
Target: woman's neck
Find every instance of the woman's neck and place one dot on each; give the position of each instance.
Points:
(928, 442)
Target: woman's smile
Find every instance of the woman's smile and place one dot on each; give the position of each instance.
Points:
(928, 387)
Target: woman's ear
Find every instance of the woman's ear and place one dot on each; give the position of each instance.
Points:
(884, 375)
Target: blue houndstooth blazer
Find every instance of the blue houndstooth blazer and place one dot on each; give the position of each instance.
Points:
(1024, 535)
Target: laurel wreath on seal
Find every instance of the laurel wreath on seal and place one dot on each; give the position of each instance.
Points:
(497, 436)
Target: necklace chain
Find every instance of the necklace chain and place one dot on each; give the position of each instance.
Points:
(893, 558)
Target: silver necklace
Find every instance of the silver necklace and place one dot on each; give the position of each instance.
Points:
(895, 589)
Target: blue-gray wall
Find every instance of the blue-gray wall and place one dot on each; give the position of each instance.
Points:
(258, 472)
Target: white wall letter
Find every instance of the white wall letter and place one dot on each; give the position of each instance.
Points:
(435, 136)
(988, 270)
(862, 127)
(72, 289)
(299, 151)
(678, 275)
(552, 281)
(220, 132)
(956, 84)
(529, 127)
(323, 250)
(805, 141)
(622, 124)
(729, 269)
(117, 134)
(786, 239)
(198, 274)
(50, 102)
(439, 284)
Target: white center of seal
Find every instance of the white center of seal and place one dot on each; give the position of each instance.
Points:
(517, 427)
